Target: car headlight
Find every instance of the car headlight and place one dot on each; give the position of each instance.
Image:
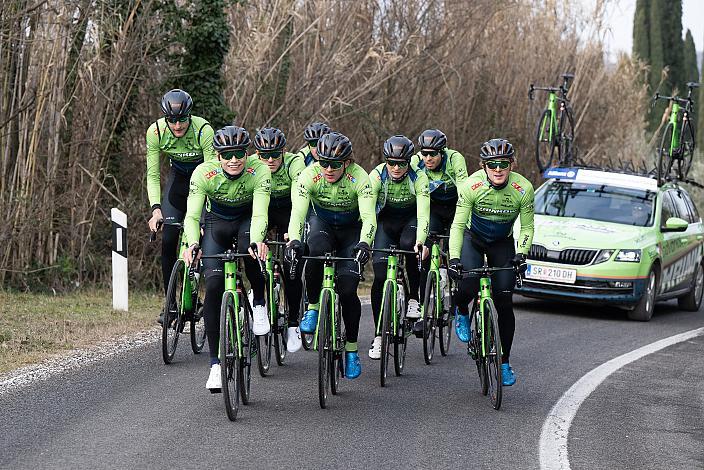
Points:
(630, 256)
(603, 256)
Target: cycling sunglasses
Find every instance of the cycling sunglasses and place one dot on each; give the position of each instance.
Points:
(334, 164)
(494, 164)
(272, 155)
(238, 154)
(174, 120)
(429, 153)
(397, 163)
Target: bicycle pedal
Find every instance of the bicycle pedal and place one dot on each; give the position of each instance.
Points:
(215, 390)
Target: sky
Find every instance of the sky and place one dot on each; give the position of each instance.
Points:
(619, 38)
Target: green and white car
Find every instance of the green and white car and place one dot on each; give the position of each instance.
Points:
(616, 239)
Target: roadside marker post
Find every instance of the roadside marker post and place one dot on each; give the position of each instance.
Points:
(119, 259)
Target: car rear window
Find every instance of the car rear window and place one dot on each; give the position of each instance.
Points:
(596, 202)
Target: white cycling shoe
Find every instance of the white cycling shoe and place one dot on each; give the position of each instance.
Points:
(413, 311)
(375, 350)
(260, 322)
(293, 339)
(214, 383)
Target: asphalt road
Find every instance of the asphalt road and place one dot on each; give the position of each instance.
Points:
(133, 411)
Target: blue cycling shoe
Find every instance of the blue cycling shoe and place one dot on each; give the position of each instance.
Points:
(352, 366)
(462, 327)
(309, 321)
(508, 377)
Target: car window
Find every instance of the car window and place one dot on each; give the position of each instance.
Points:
(692, 208)
(668, 208)
(681, 205)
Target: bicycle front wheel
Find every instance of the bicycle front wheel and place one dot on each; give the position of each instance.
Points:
(230, 363)
(386, 332)
(429, 316)
(400, 337)
(173, 312)
(306, 338)
(324, 348)
(475, 348)
(197, 320)
(687, 144)
(544, 141)
(280, 326)
(664, 156)
(566, 135)
(249, 348)
(492, 348)
(445, 323)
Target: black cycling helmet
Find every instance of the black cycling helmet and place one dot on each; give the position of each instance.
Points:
(176, 104)
(315, 131)
(432, 139)
(269, 139)
(399, 147)
(231, 138)
(496, 148)
(334, 146)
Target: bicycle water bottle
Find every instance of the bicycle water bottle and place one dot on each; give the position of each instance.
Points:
(444, 287)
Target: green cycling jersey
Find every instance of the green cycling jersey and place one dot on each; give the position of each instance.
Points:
(489, 213)
(229, 197)
(185, 153)
(407, 197)
(283, 178)
(445, 179)
(342, 203)
(307, 156)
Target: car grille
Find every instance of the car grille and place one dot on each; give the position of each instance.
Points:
(569, 256)
(579, 287)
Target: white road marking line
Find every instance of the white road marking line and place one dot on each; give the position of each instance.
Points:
(553, 437)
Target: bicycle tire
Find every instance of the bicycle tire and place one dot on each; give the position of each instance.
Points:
(324, 349)
(475, 342)
(544, 145)
(400, 337)
(173, 313)
(566, 136)
(247, 344)
(445, 326)
(386, 332)
(197, 321)
(336, 360)
(429, 323)
(281, 320)
(265, 343)
(687, 144)
(493, 359)
(306, 338)
(230, 363)
(664, 165)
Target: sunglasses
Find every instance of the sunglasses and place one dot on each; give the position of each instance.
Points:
(397, 163)
(494, 164)
(334, 164)
(238, 154)
(429, 153)
(174, 120)
(272, 155)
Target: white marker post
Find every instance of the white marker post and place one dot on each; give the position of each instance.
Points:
(119, 259)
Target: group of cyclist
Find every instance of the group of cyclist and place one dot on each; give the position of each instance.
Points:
(320, 201)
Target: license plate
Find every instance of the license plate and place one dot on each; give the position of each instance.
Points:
(549, 273)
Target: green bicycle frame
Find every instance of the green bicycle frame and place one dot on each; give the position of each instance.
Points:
(484, 293)
(187, 291)
(391, 277)
(270, 285)
(435, 267)
(552, 106)
(231, 286)
(675, 143)
(328, 285)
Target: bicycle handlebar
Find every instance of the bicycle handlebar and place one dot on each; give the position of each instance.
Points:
(485, 271)
(394, 251)
(333, 259)
(677, 99)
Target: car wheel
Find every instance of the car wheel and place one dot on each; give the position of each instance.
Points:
(693, 299)
(646, 304)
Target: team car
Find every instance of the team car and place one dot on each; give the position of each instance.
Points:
(615, 239)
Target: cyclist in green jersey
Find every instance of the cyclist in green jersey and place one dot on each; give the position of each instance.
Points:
(489, 203)
(312, 133)
(188, 141)
(445, 169)
(285, 168)
(403, 210)
(235, 192)
(343, 220)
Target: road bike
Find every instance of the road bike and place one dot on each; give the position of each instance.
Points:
(277, 309)
(677, 142)
(184, 303)
(393, 326)
(555, 131)
(438, 304)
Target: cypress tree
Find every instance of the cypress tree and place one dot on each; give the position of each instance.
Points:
(673, 46)
(691, 71)
(657, 59)
(641, 31)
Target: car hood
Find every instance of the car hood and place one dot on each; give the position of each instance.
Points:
(566, 232)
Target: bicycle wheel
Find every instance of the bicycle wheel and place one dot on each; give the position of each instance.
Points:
(544, 144)
(230, 363)
(445, 324)
(338, 347)
(306, 338)
(265, 343)
(687, 144)
(173, 312)
(476, 349)
(386, 332)
(492, 347)
(280, 326)
(664, 158)
(429, 323)
(400, 338)
(324, 349)
(248, 349)
(197, 320)
(566, 136)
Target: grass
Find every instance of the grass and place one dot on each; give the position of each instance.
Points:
(34, 326)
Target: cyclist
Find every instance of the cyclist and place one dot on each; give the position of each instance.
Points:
(188, 141)
(235, 191)
(343, 220)
(489, 203)
(312, 133)
(285, 168)
(403, 208)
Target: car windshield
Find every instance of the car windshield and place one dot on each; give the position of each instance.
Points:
(596, 202)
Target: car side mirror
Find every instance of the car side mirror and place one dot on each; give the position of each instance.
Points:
(675, 224)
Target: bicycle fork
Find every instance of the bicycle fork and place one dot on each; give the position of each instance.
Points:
(329, 285)
(391, 276)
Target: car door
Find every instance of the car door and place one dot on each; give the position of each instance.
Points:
(680, 249)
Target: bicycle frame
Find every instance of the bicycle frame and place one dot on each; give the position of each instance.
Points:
(187, 292)
(676, 129)
(328, 285)
(230, 271)
(484, 293)
(391, 278)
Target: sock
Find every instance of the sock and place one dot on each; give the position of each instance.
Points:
(350, 346)
(315, 307)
